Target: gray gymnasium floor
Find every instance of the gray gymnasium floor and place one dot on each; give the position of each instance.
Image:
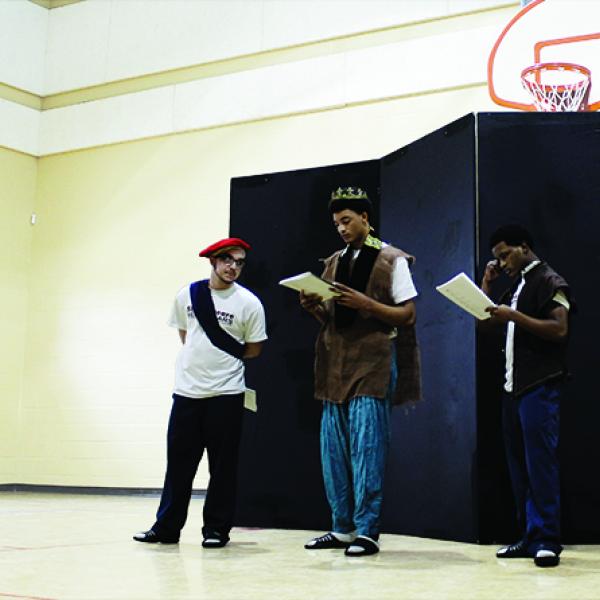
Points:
(61, 546)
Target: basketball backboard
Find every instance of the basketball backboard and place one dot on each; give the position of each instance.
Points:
(545, 31)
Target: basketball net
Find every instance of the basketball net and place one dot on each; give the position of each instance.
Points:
(558, 87)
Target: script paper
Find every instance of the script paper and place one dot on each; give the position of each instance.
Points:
(250, 399)
(464, 293)
(309, 283)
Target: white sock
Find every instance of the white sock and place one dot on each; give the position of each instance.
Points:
(344, 537)
(359, 549)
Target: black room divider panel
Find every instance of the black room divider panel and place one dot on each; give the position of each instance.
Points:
(543, 170)
(438, 198)
(428, 206)
(284, 217)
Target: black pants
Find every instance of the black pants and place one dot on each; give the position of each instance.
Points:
(195, 424)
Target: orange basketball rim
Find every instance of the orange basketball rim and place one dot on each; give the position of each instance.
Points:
(536, 65)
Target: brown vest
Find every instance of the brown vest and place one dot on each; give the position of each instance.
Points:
(356, 361)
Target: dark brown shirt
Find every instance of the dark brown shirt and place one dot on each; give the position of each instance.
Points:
(537, 361)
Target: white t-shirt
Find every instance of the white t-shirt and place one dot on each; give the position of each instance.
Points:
(203, 370)
(403, 288)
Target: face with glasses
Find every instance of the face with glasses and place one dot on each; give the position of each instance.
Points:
(228, 266)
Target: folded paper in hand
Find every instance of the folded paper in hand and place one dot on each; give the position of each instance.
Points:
(464, 293)
(309, 283)
(250, 399)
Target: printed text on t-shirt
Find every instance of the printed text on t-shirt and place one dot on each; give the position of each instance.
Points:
(222, 316)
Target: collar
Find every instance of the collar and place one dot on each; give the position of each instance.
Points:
(530, 267)
(370, 241)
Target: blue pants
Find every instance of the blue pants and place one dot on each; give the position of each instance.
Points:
(531, 431)
(355, 439)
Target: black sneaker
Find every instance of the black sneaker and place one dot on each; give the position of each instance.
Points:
(151, 537)
(518, 550)
(362, 546)
(546, 558)
(325, 542)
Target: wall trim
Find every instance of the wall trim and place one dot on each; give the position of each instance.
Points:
(19, 96)
(87, 490)
(50, 4)
(267, 58)
(257, 60)
(17, 151)
(312, 111)
(421, 93)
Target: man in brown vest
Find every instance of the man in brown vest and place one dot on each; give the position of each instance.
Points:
(366, 361)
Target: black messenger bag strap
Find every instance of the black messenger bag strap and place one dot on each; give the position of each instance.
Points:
(204, 309)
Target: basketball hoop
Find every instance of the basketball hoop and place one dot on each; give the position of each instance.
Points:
(558, 87)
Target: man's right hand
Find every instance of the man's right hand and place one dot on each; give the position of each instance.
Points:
(492, 271)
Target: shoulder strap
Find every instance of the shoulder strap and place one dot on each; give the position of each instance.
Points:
(204, 309)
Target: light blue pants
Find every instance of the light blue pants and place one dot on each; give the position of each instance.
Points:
(355, 439)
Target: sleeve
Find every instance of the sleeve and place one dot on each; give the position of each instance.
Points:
(561, 298)
(255, 329)
(554, 292)
(178, 316)
(403, 288)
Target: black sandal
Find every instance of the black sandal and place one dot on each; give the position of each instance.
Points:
(362, 546)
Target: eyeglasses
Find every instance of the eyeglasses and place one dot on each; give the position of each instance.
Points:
(230, 261)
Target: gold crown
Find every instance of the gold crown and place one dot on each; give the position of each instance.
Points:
(349, 193)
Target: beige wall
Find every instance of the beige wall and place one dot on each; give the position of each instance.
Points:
(17, 194)
(345, 53)
(87, 358)
(118, 232)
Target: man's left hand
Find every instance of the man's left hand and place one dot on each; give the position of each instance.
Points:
(352, 298)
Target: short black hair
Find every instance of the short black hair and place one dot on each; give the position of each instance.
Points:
(512, 235)
(358, 205)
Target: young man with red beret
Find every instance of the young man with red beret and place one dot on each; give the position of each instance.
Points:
(220, 324)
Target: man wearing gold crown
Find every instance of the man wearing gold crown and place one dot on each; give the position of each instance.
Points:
(366, 360)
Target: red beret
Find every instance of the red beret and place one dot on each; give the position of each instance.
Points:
(225, 244)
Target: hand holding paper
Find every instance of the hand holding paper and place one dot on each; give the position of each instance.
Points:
(464, 293)
(310, 284)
